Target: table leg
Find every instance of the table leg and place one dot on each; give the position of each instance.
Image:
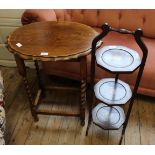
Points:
(40, 82)
(83, 72)
(22, 71)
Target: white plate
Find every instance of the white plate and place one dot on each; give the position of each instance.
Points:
(108, 117)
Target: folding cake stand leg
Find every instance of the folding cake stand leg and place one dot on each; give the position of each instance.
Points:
(133, 98)
(90, 113)
(127, 118)
(22, 71)
(92, 95)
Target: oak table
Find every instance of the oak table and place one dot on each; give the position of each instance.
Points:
(52, 41)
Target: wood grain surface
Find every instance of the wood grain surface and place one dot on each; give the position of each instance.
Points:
(61, 40)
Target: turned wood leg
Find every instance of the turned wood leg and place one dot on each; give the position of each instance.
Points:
(83, 70)
(22, 71)
(40, 82)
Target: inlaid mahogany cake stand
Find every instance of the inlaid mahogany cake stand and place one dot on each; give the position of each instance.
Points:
(52, 41)
(112, 93)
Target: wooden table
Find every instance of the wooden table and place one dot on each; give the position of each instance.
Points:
(52, 41)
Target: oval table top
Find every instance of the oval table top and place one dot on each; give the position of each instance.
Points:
(52, 40)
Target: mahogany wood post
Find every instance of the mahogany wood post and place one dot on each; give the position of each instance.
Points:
(40, 82)
(22, 71)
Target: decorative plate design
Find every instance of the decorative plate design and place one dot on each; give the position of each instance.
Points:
(118, 58)
(108, 117)
(110, 93)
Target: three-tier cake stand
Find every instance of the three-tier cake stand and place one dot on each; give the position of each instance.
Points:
(113, 92)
